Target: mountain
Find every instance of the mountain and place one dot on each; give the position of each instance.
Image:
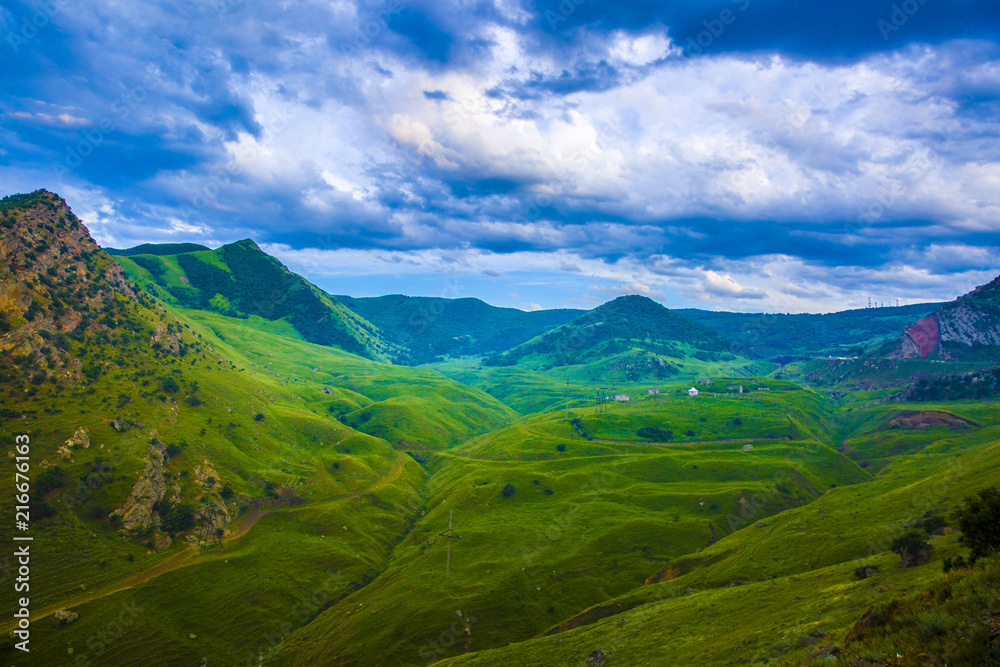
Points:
(431, 328)
(624, 325)
(966, 329)
(240, 280)
(784, 337)
(157, 249)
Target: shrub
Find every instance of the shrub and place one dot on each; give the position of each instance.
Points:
(170, 386)
(865, 571)
(979, 521)
(654, 433)
(173, 450)
(689, 433)
(193, 401)
(560, 447)
(508, 491)
(227, 492)
(934, 523)
(179, 518)
(98, 511)
(259, 417)
(737, 422)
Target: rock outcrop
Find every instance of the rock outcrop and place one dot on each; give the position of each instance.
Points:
(959, 330)
(137, 512)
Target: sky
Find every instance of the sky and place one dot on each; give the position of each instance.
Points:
(749, 155)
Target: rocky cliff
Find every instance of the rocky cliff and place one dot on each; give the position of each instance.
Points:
(968, 328)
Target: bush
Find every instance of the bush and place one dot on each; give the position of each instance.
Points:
(259, 417)
(654, 433)
(49, 480)
(689, 433)
(170, 386)
(227, 492)
(560, 447)
(865, 571)
(934, 523)
(179, 518)
(98, 511)
(193, 401)
(508, 491)
(979, 521)
(173, 450)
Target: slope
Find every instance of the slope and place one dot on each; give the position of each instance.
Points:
(966, 329)
(622, 326)
(239, 280)
(174, 473)
(433, 328)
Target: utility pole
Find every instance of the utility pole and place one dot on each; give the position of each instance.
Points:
(447, 562)
(567, 400)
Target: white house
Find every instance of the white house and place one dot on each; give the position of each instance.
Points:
(692, 392)
(747, 448)
(622, 398)
(654, 390)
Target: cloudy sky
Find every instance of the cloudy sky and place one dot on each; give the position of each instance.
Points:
(762, 155)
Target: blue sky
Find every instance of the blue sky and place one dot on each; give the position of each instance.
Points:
(728, 154)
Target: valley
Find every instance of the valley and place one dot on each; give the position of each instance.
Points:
(233, 467)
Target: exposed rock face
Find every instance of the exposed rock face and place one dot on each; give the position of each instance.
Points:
(970, 322)
(137, 512)
(170, 342)
(54, 281)
(80, 439)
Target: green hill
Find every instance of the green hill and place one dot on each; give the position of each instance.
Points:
(240, 280)
(433, 328)
(159, 249)
(210, 487)
(785, 337)
(626, 324)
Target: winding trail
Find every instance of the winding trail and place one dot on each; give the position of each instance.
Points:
(192, 555)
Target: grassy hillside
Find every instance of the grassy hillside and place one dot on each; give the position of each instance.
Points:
(433, 328)
(212, 486)
(786, 337)
(240, 280)
(620, 326)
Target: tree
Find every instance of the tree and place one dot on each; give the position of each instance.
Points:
(170, 386)
(979, 521)
(508, 491)
(560, 447)
(908, 546)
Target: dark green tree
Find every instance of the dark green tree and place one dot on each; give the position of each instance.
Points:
(979, 521)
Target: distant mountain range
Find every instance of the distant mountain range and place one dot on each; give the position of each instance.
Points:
(240, 280)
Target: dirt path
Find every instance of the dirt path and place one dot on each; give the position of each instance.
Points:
(189, 556)
(177, 561)
(681, 442)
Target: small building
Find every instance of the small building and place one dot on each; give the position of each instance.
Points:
(737, 387)
(692, 392)
(622, 398)
(747, 448)
(654, 390)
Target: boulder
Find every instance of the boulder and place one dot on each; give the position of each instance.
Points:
(80, 439)
(597, 657)
(65, 616)
(863, 626)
